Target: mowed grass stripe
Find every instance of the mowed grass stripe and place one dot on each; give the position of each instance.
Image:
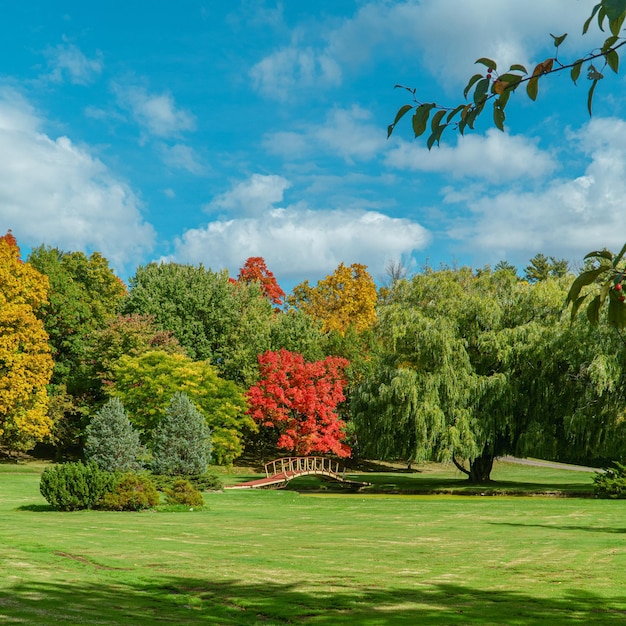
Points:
(321, 558)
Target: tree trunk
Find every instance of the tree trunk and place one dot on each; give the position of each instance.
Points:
(480, 468)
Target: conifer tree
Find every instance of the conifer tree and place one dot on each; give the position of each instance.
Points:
(112, 442)
(181, 442)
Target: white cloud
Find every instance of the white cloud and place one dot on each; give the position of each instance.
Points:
(180, 156)
(302, 243)
(157, 114)
(568, 217)
(450, 35)
(346, 133)
(68, 62)
(55, 192)
(447, 36)
(256, 195)
(290, 69)
(494, 157)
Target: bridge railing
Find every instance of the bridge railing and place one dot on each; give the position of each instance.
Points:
(303, 464)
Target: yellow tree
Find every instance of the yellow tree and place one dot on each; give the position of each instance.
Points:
(345, 298)
(25, 361)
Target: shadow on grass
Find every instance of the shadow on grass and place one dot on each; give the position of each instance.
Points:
(427, 485)
(204, 601)
(593, 529)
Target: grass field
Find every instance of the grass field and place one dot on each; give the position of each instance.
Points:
(322, 557)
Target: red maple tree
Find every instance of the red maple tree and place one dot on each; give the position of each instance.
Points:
(299, 400)
(255, 269)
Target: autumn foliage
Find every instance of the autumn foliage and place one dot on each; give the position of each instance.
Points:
(345, 298)
(255, 270)
(299, 399)
(25, 361)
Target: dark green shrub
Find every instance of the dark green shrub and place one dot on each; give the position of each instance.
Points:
(206, 482)
(132, 492)
(202, 482)
(112, 442)
(183, 492)
(74, 486)
(612, 483)
(181, 441)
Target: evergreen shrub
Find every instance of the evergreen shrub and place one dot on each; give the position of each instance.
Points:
(75, 486)
(112, 442)
(183, 492)
(132, 492)
(202, 482)
(611, 483)
(181, 441)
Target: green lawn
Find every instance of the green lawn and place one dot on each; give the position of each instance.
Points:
(283, 557)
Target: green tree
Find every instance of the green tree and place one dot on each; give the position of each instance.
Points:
(542, 267)
(494, 87)
(459, 375)
(84, 294)
(25, 361)
(112, 443)
(181, 441)
(126, 335)
(147, 382)
(214, 319)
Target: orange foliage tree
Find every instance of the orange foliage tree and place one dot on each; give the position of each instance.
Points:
(255, 270)
(25, 360)
(345, 298)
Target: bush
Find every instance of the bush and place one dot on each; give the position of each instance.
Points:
(132, 492)
(112, 442)
(181, 442)
(612, 483)
(183, 492)
(75, 486)
(202, 482)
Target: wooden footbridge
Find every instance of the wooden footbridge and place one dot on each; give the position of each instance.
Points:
(279, 472)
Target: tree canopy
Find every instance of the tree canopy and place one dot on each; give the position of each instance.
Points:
(25, 361)
(469, 368)
(146, 384)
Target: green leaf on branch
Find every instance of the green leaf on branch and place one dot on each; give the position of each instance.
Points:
(608, 44)
(584, 279)
(481, 91)
(614, 9)
(404, 109)
(558, 40)
(435, 136)
(401, 112)
(488, 63)
(576, 70)
(617, 311)
(612, 60)
(420, 118)
(590, 96)
(532, 88)
(593, 310)
(437, 117)
(619, 257)
(588, 22)
(455, 112)
(471, 83)
(616, 25)
(518, 68)
(498, 115)
(599, 254)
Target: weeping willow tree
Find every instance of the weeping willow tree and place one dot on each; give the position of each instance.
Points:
(473, 366)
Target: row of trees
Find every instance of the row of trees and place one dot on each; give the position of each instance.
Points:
(453, 364)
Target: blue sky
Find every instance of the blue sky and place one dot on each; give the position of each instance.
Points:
(209, 132)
